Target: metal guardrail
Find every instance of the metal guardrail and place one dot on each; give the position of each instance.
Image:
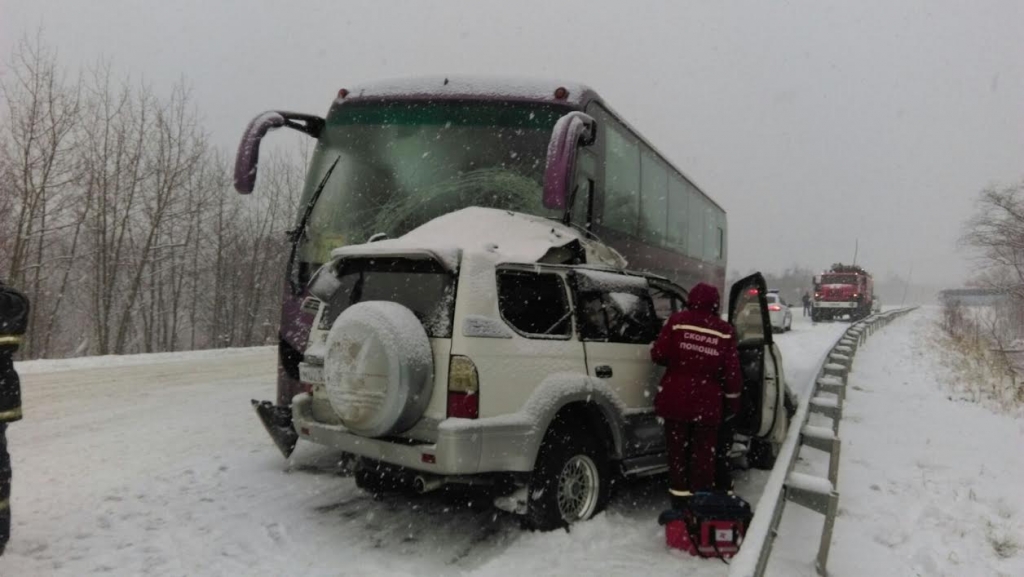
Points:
(827, 397)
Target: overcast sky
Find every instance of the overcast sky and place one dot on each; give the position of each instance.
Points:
(813, 123)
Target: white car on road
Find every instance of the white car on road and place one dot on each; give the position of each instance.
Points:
(779, 312)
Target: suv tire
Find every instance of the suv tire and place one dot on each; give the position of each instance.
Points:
(762, 454)
(571, 481)
(377, 482)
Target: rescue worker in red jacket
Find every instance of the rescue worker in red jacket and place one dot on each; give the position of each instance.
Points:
(700, 389)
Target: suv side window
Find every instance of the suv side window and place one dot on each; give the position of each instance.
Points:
(617, 317)
(535, 304)
(666, 301)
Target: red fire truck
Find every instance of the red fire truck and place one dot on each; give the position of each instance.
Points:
(844, 290)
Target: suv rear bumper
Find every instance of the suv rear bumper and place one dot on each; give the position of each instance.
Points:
(466, 448)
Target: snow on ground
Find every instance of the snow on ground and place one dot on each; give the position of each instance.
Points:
(109, 361)
(929, 485)
(158, 466)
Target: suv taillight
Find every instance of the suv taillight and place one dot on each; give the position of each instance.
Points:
(774, 308)
(463, 388)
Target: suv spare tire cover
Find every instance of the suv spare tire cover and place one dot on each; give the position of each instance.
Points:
(378, 368)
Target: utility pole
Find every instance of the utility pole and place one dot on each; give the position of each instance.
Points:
(906, 285)
(856, 246)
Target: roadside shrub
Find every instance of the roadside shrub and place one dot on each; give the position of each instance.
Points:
(982, 356)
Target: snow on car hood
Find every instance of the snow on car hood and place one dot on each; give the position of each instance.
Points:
(509, 236)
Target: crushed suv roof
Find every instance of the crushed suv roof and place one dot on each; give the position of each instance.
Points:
(509, 236)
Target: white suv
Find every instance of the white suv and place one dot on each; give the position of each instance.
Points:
(522, 363)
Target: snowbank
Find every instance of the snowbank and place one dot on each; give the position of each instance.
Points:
(929, 485)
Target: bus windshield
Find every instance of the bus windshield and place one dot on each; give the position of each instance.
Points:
(402, 163)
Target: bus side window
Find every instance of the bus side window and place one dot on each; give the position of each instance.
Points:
(653, 198)
(678, 215)
(697, 204)
(711, 234)
(621, 181)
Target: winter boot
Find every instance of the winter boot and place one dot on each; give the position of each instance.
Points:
(680, 502)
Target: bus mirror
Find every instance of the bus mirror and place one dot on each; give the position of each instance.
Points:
(249, 149)
(570, 132)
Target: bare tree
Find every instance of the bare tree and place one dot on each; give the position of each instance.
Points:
(176, 146)
(117, 218)
(117, 123)
(38, 169)
(996, 231)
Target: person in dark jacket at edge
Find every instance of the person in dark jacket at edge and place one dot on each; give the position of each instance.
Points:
(699, 393)
(13, 322)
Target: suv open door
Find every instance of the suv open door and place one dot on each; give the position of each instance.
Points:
(763, 399)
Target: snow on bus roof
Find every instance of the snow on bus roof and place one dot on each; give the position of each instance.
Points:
(471, 87)
(510, 236)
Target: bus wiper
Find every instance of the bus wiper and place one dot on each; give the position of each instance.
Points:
(296, 234)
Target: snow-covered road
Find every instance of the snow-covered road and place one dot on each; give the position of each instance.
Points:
(157, 465)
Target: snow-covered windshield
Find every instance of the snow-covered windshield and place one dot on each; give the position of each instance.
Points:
(403, 163)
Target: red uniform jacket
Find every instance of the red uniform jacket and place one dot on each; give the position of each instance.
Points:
(699, 352)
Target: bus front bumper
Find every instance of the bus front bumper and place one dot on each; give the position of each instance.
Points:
(277, 420)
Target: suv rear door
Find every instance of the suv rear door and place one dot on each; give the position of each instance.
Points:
(418, 280)
(759, 357)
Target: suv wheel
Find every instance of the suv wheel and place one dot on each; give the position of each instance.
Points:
(375, 481)
(570, 483)
(763, 454)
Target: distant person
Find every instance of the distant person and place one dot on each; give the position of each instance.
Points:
(807, 303)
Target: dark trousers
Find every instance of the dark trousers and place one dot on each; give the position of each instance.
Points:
(807, 310)
(723, 468)
(5, 489)
(691, 456)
